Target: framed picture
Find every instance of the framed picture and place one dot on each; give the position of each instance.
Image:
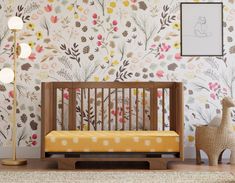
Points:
(201, 29)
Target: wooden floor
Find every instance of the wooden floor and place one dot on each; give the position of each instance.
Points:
(188, 165)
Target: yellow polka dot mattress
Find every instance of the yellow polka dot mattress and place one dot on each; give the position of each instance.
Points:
(112, 141)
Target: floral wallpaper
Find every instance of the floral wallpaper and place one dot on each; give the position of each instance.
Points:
(108, 40)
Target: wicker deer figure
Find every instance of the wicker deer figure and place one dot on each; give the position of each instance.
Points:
(213, 140)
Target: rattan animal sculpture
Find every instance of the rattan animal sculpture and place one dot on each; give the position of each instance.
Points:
(213, 140)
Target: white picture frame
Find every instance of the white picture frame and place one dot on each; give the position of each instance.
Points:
(201, 29)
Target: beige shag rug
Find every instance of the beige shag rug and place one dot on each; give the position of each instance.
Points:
(115, 177)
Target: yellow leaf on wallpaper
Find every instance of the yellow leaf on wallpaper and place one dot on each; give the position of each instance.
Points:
(125, 3)
(189, 75)
(11, 118)
(50, 1)
(115, 62)
(106, 78)
(234, 128)
(226, 8)
(76, 16)
(109, 10)
(96, 78)
(112, 53)
(70, 7)
(80, 8)
(42, 75)
(112, 4)
(106, 59)
(191, 138)
(202, 99)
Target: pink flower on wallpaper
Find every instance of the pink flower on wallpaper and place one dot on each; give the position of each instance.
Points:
(11, 94)
(115, 22)
(66, 96)
(165, 47)
(54, 19)
(121, 120)
(115, 29)
(34, 143)
(161, 56)
(213, 86)
(94, 22)
(159, 94)
(213, 96)
(34, 136)
(94, 16)
(48, 8)
(39, 48)
(32, 57)
(99, 37)
(178, 56)
(99, 43)
(160, 73)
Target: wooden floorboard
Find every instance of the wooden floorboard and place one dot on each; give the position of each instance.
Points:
(187, 165)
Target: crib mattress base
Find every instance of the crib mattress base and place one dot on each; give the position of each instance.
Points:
(112, 141)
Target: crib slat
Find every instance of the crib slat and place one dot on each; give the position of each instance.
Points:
(123, 109)
(143, 108)
(82, 109)
(62, 108)
(72, 109)
(54, 124)
(88, 104)
(157, 107)
(172, 114)
(137, 107)
(153, 108)
(163, 109)
(102, 108)
(95, 108)
(116, 109)
(130, 120)
(109, 107)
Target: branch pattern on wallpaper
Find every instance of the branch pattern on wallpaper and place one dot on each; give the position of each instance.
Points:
(115, 40)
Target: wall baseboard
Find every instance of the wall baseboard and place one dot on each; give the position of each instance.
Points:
(34, 152)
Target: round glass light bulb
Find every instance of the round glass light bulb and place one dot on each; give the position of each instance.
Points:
(15, 23)
(25, 50)
(6, 75)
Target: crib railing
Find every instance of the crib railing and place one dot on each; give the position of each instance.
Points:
(136, 95)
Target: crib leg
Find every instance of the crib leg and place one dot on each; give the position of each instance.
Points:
(66, 165)
(158, 164)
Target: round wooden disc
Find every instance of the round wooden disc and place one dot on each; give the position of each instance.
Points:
(11, 162)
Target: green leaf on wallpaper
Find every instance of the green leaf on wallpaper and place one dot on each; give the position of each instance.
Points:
(115, 37)
(162, 64)
(190, 100)
(182, 66)
(57, 9)
(169, 57)
(153, 67)
(36, 66)
(96, 30)
(22, 107)
(111, 71)
(30, 108)
(108, 19)
(37, 81)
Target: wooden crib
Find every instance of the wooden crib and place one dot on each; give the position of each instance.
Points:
(75, 114)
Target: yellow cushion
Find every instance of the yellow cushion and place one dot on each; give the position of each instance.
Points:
(112, 141)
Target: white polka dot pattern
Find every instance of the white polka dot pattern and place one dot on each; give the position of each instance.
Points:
(64, 142)
(159, 140)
